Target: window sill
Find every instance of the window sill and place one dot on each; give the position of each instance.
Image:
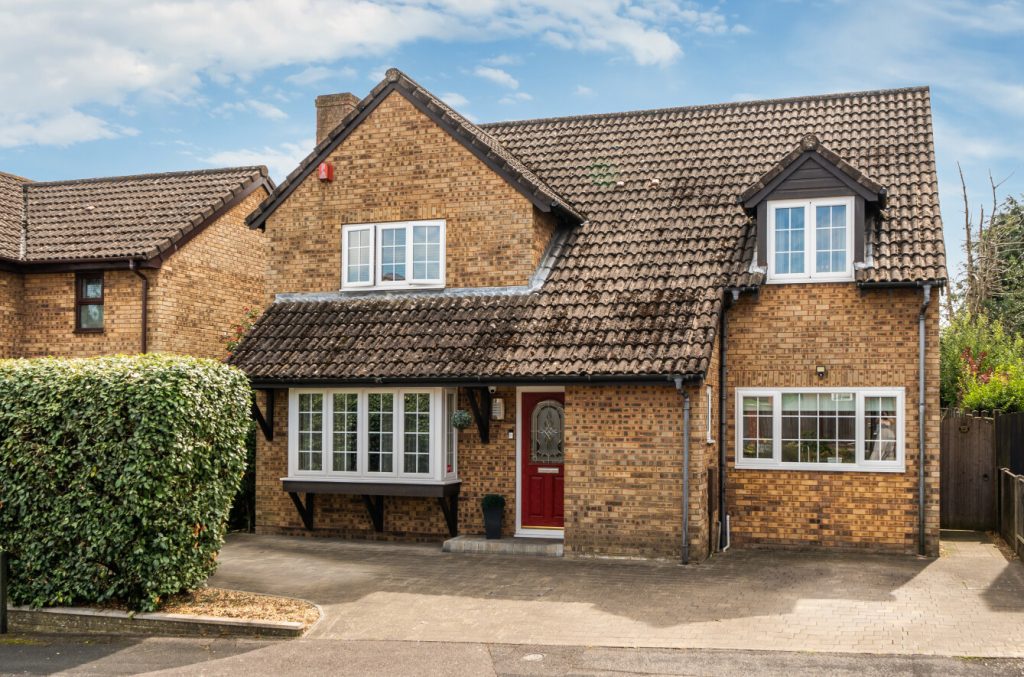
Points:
(359, 487)
(88, 331)
(822, 467)
(810, 280)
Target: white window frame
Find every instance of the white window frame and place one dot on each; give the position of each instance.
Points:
(862, 465)
(346, 233)
(710, 414)
(376, 259)
(440, 418)
(810, 241)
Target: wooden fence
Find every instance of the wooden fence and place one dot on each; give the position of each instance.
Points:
(1011, 510)
(975, 447)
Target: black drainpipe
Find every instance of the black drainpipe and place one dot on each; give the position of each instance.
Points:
(920, 418)
(145, 306)
(731, 296)
(686, 470)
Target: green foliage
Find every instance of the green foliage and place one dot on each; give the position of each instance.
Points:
(492, 501)
(461, 419)
(981, 364)
(1002, 391)
(1008, 229)
(117, 474)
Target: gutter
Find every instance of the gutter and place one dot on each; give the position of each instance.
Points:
(143, 347)
(921, 419)
(685, 559)
(476, 381)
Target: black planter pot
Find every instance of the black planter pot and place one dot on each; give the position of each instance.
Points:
(493, 518)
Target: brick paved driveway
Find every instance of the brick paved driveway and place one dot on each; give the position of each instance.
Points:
(968, 602)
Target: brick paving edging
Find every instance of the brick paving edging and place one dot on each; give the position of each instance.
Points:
(80, 620)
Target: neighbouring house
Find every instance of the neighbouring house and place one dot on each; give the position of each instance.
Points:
(676, 330)
(129, 264)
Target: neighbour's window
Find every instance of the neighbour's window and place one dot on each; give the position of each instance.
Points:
(408, 254)
(372, 434)
(810, 240)
(812, 429)
(89, 302)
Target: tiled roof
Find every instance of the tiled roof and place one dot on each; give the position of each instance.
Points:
(475, 138)
(638, 287)
(11, 205)
(122, 217)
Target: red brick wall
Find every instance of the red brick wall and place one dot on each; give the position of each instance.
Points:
(11, 291)
(399, 165)
(864, 339)
(623, 490)
(49, 316)
(202, 290)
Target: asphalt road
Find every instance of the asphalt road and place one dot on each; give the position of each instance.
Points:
(39, 654)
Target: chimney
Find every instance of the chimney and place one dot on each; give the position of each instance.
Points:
(331, 109)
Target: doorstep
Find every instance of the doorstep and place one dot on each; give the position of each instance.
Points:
(520, 545)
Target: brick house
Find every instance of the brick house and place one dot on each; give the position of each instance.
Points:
(675, 329)
(155, 262)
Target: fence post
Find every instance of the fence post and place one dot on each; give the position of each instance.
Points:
(3, 592)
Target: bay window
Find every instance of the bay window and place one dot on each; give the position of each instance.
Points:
(810, 240)
(820, 429)
(394, 255)
(372, 434)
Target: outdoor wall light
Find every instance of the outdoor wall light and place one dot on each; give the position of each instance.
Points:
(821, 371)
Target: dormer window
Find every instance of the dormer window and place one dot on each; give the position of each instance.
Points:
(810, 240)
(393, 255)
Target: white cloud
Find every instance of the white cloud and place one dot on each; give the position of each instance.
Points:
(583, 90)
(515, 97)
(261, 108)
(504, 60)
(315, 74)
(66, 55)
(454, 99)
(280, 161)
(497, 76)
(60, 129)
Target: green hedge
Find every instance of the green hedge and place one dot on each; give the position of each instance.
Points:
(117, 474)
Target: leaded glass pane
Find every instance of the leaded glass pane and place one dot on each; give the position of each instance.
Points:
(547, 432)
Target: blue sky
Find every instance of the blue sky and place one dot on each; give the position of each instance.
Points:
(122, 86)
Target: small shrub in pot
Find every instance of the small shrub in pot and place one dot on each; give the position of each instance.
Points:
(494, 514)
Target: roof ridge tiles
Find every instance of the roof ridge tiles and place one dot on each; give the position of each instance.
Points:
(262, 170)
(708, 106)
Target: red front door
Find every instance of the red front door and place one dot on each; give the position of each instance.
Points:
(542, 450)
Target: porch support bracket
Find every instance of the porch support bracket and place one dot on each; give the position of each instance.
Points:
(266, 423)
(480, 403)
(375, 506)
(305, 511)
(450, 508)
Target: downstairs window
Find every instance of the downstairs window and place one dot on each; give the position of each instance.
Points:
(820, 429)
(372, 435)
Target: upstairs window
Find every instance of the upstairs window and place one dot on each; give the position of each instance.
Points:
(89, 302)
(810, 240)
(396, 255)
